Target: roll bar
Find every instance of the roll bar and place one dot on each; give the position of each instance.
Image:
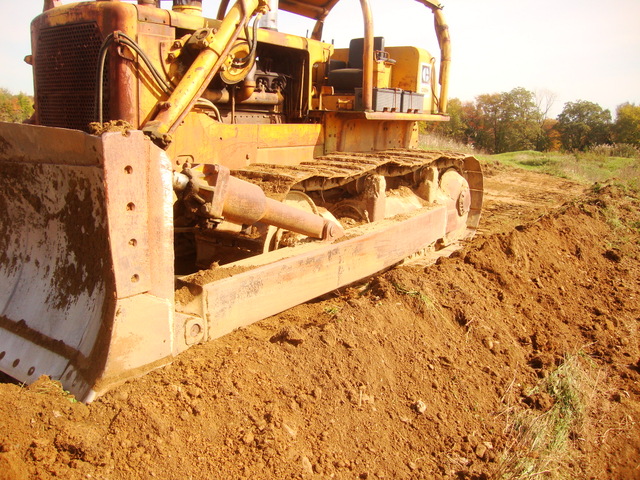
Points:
(442, 34)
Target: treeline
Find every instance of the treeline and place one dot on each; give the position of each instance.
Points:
(517, 120)
(15, 108)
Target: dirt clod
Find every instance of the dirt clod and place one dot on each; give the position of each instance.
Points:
(420, 406)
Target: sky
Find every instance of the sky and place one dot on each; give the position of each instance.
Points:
(567, 50)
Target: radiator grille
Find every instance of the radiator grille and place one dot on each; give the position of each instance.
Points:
(65, 68)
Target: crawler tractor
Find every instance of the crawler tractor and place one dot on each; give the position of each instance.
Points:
(184, 176)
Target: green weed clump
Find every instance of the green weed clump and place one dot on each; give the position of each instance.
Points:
(332, 310)
(541, 445)
(47, 386)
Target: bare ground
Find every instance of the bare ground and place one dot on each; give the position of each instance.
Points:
(417, 373)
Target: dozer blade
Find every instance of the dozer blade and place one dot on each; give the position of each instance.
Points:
(86, 257)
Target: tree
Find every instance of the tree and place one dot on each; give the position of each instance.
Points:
(544, 101)
(456, 128)
(551, 138)
(15, 108)
(483, 119)
(508, 121)
(627, 125)
(521, 119)
(583, 124)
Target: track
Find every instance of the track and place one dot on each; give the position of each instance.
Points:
(339, 179)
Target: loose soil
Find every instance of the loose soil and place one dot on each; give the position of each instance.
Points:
(416, 373)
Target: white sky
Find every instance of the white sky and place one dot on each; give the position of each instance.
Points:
(577, 49)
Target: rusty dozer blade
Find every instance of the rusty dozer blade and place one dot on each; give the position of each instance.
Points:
(86, 261)
(87, 289)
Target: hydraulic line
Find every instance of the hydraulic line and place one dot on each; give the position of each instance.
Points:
(123, 39)
(243, 62)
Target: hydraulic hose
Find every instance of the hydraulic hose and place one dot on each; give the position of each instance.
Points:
(123, 39)
(243, 62)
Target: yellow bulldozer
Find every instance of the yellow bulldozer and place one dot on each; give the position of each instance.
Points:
(184, 176)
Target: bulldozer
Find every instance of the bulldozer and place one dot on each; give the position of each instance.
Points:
(185, 176)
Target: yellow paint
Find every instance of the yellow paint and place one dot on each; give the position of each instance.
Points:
(236, 146)
(191, 22)
(382, 74)
(289, 155)
(341, 54)
(188, 10)
(289, 135)
(353, 132)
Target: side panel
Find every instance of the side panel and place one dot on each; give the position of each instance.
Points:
(347, 133)
(202, 140)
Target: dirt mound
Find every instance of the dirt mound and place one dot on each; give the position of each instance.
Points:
(418, 373)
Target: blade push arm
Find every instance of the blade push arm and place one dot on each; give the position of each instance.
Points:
(215, 47)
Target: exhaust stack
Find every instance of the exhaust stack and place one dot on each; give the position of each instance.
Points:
(191, 7)
(270, 20)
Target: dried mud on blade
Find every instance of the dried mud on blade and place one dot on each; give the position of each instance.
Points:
(86, 262)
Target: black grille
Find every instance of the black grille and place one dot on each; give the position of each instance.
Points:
(65, 68)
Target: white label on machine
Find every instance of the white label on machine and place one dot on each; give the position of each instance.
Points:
(425, 78)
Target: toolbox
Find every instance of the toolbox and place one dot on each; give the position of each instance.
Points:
(384, 99)
(412, 102)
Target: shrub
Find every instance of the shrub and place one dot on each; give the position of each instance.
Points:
(624, 150)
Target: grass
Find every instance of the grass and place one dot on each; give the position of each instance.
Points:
(412, 293)
(622, 216)
(597, 165)
(47, 386)
(430, 304)
(416, 294)
(542, 443)
(432, 141)
(332, 310)
(583, 168)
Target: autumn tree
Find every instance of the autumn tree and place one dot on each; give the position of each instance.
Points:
(583, 124)
(550, 140)
(626, 128)
(456, 128)
(483, 121)
(15, 108)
